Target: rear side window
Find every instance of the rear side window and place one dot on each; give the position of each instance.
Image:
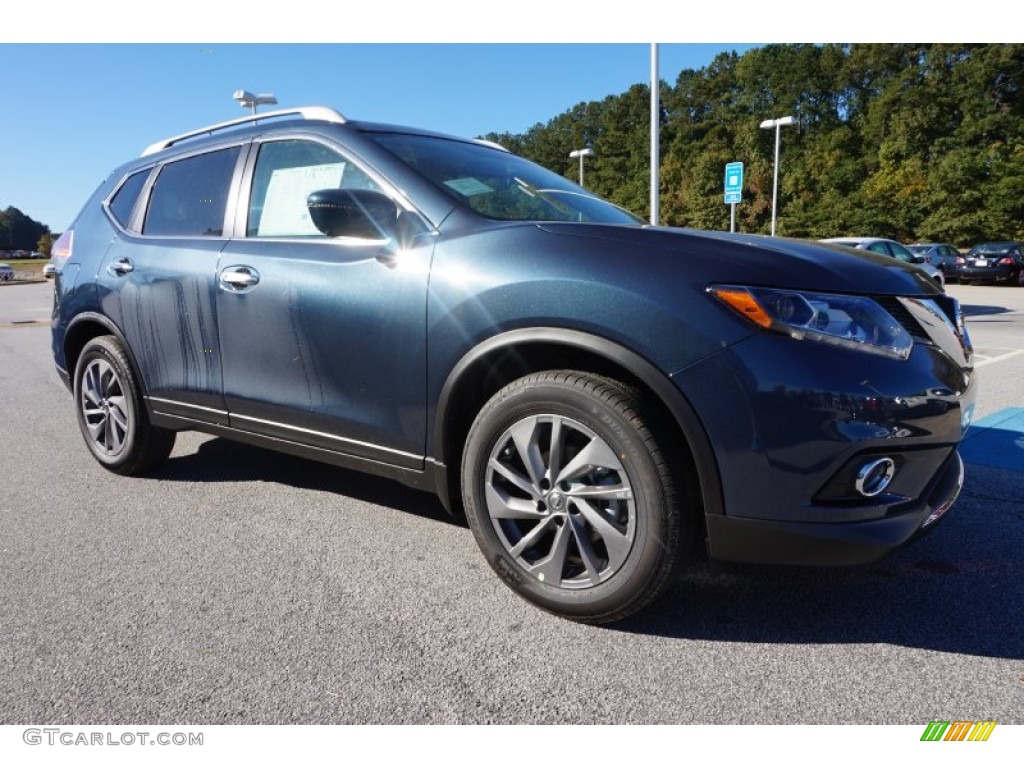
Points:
(190, 195)
(123, 203)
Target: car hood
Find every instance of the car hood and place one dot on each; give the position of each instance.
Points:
(767, 261)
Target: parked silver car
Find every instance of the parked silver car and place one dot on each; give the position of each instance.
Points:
(890, 248)
(50, 270)
(6, 272)
(941, 255)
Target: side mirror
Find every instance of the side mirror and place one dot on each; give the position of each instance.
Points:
(918, 260)
(353, 213)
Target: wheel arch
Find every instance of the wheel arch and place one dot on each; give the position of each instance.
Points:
(510, 355)
(87, 326)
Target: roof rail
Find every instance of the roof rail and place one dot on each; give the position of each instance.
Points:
(308, 113)
(492, 144)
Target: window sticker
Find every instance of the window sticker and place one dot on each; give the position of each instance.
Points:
(284, 210)
(468, 186)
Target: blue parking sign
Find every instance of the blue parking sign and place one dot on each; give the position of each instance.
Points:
(734, 177)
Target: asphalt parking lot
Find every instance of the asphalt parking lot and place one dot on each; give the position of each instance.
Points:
(236, 585)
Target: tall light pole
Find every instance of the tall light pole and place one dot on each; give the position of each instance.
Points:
(655, 135)
(581, 153)
(246, 99)
(777, 124)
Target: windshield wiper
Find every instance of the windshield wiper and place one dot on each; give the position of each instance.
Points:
(544, 194)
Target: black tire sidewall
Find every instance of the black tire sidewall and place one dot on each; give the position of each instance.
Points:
(630, 584)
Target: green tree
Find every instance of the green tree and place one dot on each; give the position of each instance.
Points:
(45, 244)
(19, 232)
(912, 141)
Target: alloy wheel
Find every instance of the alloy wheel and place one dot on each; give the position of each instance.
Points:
(104, 408)
(561, 502)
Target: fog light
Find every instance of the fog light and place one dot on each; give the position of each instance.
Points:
(875, 476)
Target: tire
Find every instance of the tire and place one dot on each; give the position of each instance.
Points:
(594, 534)
(111, 415)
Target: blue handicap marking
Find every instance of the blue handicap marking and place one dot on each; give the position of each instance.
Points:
(996, 440)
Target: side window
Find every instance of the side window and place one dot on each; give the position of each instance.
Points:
(286, 172)
(190, 195)
(123, 202)
(901, 253)
(881, 248)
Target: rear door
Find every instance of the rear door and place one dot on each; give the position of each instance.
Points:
(158, 280)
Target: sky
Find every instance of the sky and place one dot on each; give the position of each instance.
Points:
(90, 107)
(83, 94)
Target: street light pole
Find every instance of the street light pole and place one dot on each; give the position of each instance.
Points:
(777, 124)
(581, 153)
(246, 99)
(655, 136)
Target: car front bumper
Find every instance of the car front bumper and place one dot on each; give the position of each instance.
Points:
(767, 542)
(792, 423)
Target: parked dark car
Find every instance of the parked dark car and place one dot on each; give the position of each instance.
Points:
(601, 398)
(941, 255)
(993, 262)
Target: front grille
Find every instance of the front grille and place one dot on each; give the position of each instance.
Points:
(902, 315)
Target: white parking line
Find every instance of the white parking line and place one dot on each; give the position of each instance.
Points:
(999, 359)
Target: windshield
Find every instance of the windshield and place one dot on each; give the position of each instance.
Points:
(498, 184)
(920, 250)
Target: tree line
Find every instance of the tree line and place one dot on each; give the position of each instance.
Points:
(19, 232)
(909, 141)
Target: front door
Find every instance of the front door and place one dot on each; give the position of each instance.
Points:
(322, 339)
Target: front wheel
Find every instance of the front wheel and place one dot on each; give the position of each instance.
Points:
(571, 497)
(111, 415)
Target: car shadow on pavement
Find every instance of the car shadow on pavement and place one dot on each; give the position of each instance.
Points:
(958, 589)
(226, 461)
(979, 310)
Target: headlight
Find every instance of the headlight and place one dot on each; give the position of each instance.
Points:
(853, 322)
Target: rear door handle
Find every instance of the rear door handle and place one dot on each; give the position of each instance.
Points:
(121, 267)
(239, 278)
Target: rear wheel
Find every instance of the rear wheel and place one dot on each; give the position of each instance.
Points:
(111, 415)
(571, 497)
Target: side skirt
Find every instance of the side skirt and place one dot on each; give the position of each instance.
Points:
(420, 479)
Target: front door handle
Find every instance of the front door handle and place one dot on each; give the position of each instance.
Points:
(239, 278)
(121, 267)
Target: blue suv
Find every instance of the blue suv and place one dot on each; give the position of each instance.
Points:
(602, 399)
